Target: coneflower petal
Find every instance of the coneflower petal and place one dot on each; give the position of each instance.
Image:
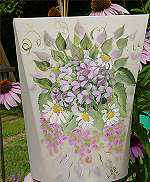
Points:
(119, 8)
(15, 97)
(18, 91)
(9, 100)
(1, 99)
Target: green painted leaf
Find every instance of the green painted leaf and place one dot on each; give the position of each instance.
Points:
(120, 93)
(122, 43)
(107, 46)
(43, 66)
(60, 42)
(99, 123)
(77, 53)
(43, 82)
(76, 40)
(71, 125)
(58, 56)
(125, 75)
(94, 52)
(120, 63)
(119, 32)
(86, 43)
(42, 99)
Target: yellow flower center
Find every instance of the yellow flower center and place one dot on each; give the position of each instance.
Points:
(58, 81)
(105, 58)
(57, 108)
(77, 149)
(110, 114)
(56, 69)
(85, 117)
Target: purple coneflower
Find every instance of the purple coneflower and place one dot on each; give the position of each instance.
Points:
(105, 7)
(9, 94)
(136, 148)
(145, 57)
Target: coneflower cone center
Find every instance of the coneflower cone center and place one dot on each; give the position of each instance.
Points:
(100, 5)
(5, 86)
(53, 12)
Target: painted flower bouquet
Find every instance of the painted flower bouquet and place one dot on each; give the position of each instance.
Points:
(83, 92)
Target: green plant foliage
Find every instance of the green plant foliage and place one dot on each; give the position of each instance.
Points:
(12, 8)
(145, 9)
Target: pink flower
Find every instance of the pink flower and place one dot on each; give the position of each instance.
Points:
(145, 57)
(114, 9)
(136, 148)
(9, 93)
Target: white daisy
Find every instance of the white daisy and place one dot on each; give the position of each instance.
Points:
(85, 120)
(54, 113)
(111, 115)
(105, 60)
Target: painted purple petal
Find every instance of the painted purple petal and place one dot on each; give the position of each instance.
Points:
(88, 100)
(83, 83)
(74, 83)
(101, 37)
(82, 65)
(74, 109)
(109, 90)
(81, 78)
(116, 53)
(98, 98)
(80, 98)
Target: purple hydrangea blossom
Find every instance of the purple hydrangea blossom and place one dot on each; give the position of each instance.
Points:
(64, 85)
(56, 95)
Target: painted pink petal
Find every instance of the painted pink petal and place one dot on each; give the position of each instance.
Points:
(15, 96)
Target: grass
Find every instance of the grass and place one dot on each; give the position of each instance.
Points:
(15, 144)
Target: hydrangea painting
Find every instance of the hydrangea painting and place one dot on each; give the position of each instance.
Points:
(79, 78)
